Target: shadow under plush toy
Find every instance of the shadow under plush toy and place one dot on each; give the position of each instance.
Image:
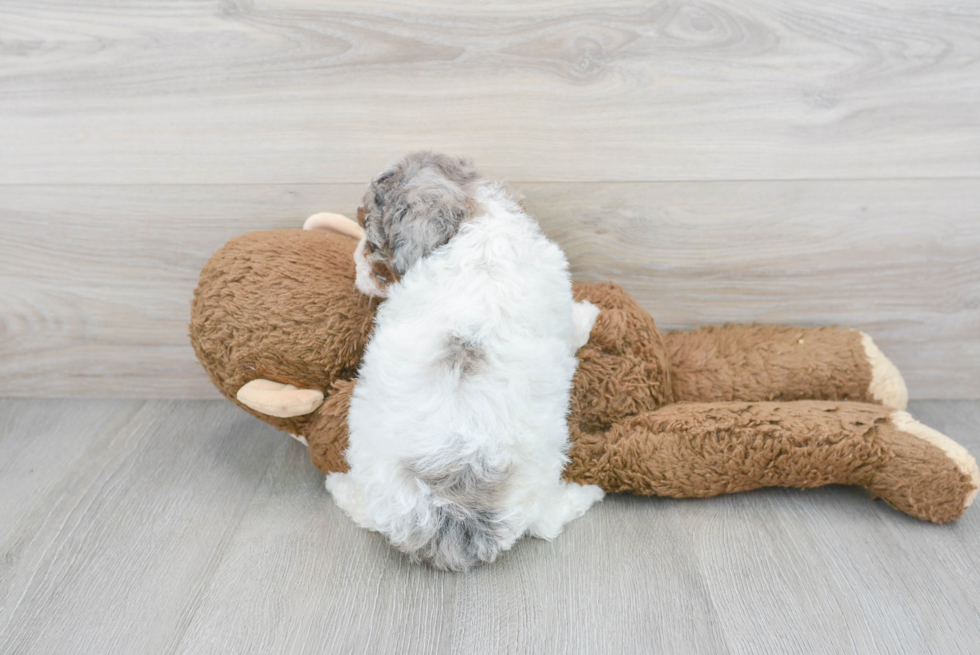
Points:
(280, 328)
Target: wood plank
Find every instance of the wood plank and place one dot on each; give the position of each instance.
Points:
(956, 552)
(825, 570)
(114, 557)
(95, 281)
(40, 448)
(190, 527)
(296, 91)
(301, 577)
(897, 259)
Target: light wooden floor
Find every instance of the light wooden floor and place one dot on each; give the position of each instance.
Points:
(189, 527)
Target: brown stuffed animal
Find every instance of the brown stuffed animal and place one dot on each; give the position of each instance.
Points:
(280, 328)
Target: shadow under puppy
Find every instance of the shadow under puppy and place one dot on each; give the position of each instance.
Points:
(458, 428)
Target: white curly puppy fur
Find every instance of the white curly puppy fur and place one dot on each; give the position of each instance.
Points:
(458, 428)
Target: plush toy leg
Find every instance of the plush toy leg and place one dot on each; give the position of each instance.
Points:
(706, 449)
(768, 362)
(323, 428)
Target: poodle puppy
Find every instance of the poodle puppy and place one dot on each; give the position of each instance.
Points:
(458, 428)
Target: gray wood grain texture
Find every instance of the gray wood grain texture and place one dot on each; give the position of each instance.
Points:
(121, 543)
(299, 91)
(95, 281)
(189, 527)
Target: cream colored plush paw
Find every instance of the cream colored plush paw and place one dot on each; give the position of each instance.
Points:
(887, 385)
(348, 498)
(584, 315)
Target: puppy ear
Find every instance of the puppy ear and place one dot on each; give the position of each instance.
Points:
(435, 196)
(424, 227)
(418, 204)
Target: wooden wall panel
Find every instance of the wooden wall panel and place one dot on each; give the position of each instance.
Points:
(95, 281)
(296, 91)
(771, 160)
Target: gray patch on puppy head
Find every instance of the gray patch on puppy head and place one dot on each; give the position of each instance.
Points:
(416, 205)
(462, 529)
(464, 355)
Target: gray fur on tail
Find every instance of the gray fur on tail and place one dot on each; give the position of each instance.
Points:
(460, 529)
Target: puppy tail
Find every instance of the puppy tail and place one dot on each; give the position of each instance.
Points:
(458, 526)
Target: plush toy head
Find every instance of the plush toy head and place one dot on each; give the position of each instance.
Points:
(314, 327)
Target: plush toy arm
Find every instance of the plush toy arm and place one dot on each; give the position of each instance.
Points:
(768, 362)
(705, 449)
(326, 432)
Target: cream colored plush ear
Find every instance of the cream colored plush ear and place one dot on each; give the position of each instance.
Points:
(337, 223)
(277, 399)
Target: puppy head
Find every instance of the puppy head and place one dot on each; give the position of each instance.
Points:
(413, 207)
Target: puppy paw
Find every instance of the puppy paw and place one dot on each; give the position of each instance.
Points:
(887, 385)
(582, 497)
(348, 498)
(584, 315)
(571, 502)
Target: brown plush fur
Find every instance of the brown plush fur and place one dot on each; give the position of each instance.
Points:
(688, 450)
(681, 414)
(738, 362)
(299, 288)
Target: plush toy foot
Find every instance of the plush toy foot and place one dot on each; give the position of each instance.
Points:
(277, 399)
(337, 223)
(887, 385)
(924, 473)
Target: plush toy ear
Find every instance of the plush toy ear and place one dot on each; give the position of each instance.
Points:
(278, 399)
(337, 223)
